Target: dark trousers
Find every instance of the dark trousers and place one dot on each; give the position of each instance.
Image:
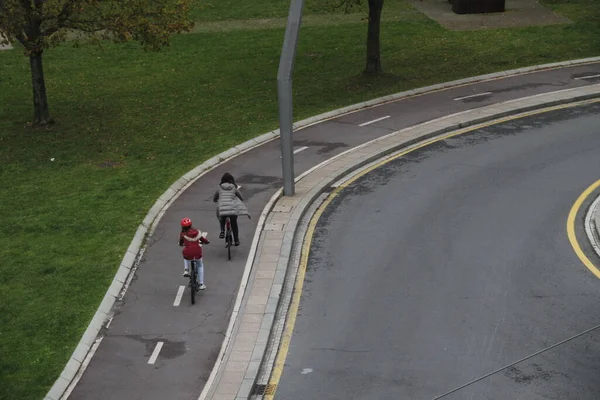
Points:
(234, 225)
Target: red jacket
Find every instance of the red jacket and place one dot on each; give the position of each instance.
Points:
(190, 241)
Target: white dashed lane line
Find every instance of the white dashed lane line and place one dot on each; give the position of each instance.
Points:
(373, 121)
(588, 77)
(300, 149)
(179, 296)
(155, 353)
(472, 96)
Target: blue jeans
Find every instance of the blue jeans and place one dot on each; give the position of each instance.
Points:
(200, 273)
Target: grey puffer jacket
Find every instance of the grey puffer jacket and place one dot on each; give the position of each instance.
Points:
(230, 200)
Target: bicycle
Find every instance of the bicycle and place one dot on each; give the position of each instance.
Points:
(194, 279)
(228, 237)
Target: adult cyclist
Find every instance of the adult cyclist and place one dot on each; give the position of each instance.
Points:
(230, 203)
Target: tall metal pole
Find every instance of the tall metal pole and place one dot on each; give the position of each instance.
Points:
(284, 94)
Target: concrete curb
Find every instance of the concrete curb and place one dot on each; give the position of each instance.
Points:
(137, 246)
(592, 225)
(597, 225)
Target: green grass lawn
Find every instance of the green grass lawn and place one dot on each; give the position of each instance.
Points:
(130, 123)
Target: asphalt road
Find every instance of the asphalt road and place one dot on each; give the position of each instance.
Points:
(450, 263)
(192, 335)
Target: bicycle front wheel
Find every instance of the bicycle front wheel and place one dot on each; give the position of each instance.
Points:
(194, 281)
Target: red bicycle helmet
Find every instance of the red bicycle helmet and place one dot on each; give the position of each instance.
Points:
(186, 222)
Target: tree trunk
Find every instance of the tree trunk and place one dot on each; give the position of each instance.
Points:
(40, 101)
(373, 53)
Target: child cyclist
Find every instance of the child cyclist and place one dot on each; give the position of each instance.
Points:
(191, 238)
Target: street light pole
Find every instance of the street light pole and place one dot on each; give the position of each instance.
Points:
(284, 94)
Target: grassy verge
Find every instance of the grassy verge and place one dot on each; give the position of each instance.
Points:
(130, 123)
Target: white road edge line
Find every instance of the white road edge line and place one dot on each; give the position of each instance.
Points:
(471, 96)
(375, 120)
(588, 77)
(179, 296)
(154, 355)
(300, 149)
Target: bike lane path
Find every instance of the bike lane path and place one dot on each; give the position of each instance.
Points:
(191, 336)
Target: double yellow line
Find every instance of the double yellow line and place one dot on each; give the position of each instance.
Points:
(299, 284)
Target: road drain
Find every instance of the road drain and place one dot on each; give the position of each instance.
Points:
(263, 390)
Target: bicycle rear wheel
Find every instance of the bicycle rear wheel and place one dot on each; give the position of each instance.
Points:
(229, 242)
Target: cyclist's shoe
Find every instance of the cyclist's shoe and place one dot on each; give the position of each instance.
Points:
(202, 286)
(237, 243)
(222, 235)
(186, 274)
